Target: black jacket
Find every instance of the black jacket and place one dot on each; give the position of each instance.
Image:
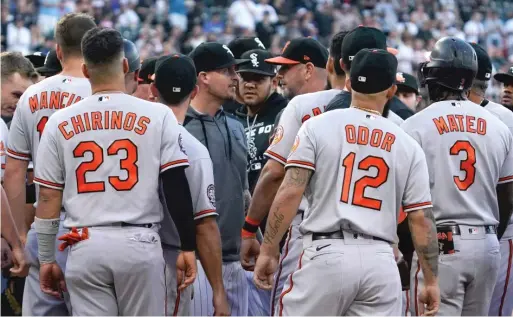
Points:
(343, 100)
(260, 130)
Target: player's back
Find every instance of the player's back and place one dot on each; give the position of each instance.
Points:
(502, 113)
(465, 147)
(362, 164)
(110, 146)
(39, 102)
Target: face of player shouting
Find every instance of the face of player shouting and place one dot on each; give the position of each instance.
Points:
(222, 83)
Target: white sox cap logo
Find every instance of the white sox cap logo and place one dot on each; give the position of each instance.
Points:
(260, 44)
(228, 50)
(254, 59)
(211, 194)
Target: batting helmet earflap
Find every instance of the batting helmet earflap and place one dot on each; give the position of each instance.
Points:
(452, 64)
(132, 55)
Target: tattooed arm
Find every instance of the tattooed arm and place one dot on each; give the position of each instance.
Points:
(284, 207)
(423, 230)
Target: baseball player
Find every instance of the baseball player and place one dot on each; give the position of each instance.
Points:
(51, 67)
(146, 71)
(408, 90)
(352, 219)
(175, 85)
(35, 107)
(470, 159)
(502, 298)
(299, 109)
(134, 66)
(102, 160)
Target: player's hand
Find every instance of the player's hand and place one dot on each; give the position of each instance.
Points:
(51, 279)
(221, 307)
(186, 269)
(21, 266)
(430, 297)
(265, 268)
(249, 252)
(6, 254)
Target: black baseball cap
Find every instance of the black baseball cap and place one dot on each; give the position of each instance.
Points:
(209, 56)
(360, 38)
(147, 70)
(37, 59)
(257, 64)
(484, 63)
(241, 45)
(506, 77)
(373, 71)
(406, 82)
(132, 55)
(301, 51)
(175, 76)
(51, 66)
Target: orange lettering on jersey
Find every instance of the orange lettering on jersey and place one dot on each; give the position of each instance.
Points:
(71, 100)
(63, 95)
(376, 137)
(142, 125)
(388, 142)
(129, 121)
(460, 117)
(77, 99)
(305, 117)
(43, 101)
(453, 126)
(78, 124)
(481, 126)
(55, 97)
(96, 120)
(34, 103)
(87, 121)
(441, 125)
(469, 122)
(363, 135)
(117, 118)
(67, 135)
(106, 120)
(350, 134)
(316, 111)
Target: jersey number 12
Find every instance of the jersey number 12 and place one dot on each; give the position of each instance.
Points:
(359, 198)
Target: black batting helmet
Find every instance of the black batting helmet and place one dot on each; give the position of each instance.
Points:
(453, 64)
(132, 55)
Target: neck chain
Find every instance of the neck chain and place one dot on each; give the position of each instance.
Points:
(368, 110)
(103, 92)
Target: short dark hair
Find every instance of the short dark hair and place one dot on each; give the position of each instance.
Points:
(70, 30)
(101, 46)
(15, 62)
(336, 51)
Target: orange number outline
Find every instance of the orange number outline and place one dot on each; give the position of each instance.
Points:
(83, 186)
(41, 125)
(128, 164)
(467, 165)
(359, 198)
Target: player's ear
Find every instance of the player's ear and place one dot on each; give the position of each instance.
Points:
(348, 84)
(274, 82)
(58, 51)
(125, 66)
(330, 67)
(153, 90)
(85, 71)
(418, 100)
(309, 70)
(136, 75)
(391, 92)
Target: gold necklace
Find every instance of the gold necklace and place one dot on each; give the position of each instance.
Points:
(368, 110)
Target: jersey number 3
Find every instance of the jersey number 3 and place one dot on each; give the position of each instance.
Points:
(359, 198)
(127, 164)
(468, 165)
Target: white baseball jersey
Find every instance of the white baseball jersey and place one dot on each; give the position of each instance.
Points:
(469, 151)
(200, 176)
(298, 110)
(106, 153)
(4, 131)
(365, 168)
(392, 116)
(39, 102)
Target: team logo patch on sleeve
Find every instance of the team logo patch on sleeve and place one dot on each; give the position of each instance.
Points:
(211, 194)
(180, 144)
(295, 145)
(278, 135)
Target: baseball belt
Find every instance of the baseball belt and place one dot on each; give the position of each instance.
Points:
(337, 235)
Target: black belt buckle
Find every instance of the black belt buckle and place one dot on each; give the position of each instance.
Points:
(327, 235)
(445, 241)
(144, 225)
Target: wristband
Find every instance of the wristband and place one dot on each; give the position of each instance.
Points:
(247, 235)
(46, 230)
(250, 225)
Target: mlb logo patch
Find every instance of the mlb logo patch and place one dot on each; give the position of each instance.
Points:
(66, 81)
(362, 79)
(473, 230)
(177, 89)
(104, 98)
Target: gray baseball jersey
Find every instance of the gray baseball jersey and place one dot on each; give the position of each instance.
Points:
(362, 177)
(4, 131)
(200, 176)
(469, 151)
(107, 153)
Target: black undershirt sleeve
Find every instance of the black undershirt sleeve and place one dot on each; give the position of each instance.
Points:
(179, 204)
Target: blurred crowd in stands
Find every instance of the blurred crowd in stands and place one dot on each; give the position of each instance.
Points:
(167, 26)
